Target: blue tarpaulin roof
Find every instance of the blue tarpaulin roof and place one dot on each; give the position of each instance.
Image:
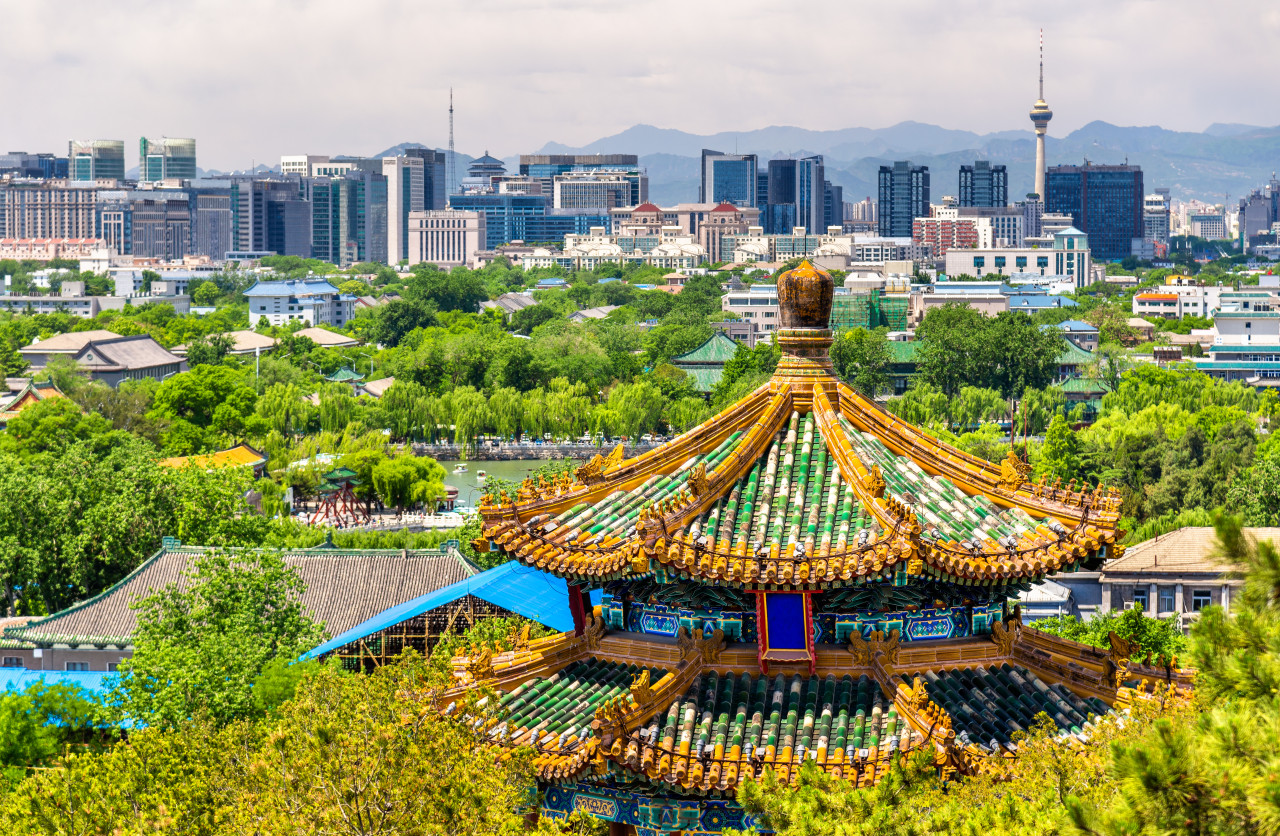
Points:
(20, 679)
(513, 586)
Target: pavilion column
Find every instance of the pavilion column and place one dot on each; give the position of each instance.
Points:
(577, 608)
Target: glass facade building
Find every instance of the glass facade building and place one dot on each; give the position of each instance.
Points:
(904, 196)
(528, 218)
(1104, 201)
(728, 178)
(801, 185)
(984, 184)
(166, 158)
(95, 159)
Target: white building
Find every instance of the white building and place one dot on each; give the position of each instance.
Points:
(445, 237)
(670, 249)
(406, 190)
(300, 164)
(1247, 317)
(313, 301)
(1069, 258)
(758, 304)
(1180, 296)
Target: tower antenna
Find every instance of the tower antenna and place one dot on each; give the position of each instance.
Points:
(452, 165)
(1042, 64)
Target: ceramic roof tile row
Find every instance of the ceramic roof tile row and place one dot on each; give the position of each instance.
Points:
(727, 725)
(988, 705)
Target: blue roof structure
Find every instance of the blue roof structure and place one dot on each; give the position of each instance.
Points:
(513, 586)
(1077, 326)
(291, 287)
(1025, 302)
(20, 679)
(551, 282)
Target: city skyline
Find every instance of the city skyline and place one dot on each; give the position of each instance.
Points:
(251, 100)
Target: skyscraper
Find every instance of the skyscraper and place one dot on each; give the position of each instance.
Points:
(797, 196)
(1104, 201)
(404, 195)
(728, 178)
(984, 184)
(1040, 116)
(348, 217)
(904, 196)
(435, 189)
(166, 158)
(96, 159)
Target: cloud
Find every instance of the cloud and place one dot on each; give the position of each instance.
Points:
(254, 79)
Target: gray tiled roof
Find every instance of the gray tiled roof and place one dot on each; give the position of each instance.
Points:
(343, 589)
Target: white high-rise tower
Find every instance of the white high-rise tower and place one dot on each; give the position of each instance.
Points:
(1040, 116)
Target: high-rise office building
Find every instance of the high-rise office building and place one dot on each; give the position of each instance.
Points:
(1104, 201)
(797, 196)
(984, 184)
(833, 205)
(728, 178)
(167, 158)
(405, 194)
(904, 196)
(435, 191)
(545, 167)
(348, 217)
(599, 190)
(300, 164)
(269, 215)
(95, 159)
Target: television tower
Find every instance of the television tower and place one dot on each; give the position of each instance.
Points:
(1040, 116)
(450, 164)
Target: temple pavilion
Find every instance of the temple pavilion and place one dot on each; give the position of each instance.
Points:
(804, 577)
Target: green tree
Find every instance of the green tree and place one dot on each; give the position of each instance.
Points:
(950, 347)
(1061, 456)
(861, 358)
(200, 646)
(50, 426)
(409, 480)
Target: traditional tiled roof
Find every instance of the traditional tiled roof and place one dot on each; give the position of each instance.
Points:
(132, 353)
(1083, 385)
(242, 455)
(344, 376)
(837, 494)
(326, 338)
(377, 388)
(1187, 550)
(68, 343)
(242, 342)
(988, 705)
(1074, 355)
(343, 588)
(705, 364)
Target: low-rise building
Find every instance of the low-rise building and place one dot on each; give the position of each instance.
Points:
(1174, 575)
(1069, 256)
(1080, 332)
(47, 249)
(757, 304)
(106, 356)
(311, 300)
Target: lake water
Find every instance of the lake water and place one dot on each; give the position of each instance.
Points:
(470, 491)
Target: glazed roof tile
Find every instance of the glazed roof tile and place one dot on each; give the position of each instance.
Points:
(989, 705)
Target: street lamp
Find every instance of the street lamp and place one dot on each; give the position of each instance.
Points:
(370, 356)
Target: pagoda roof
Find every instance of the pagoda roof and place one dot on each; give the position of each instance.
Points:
(804, 484)
(242, 455)
(718, 349)
(344, 375)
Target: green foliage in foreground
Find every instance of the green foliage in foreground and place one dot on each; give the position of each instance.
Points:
(1158, 638)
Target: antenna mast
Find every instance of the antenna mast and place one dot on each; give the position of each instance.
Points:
(451, 164)
(1041, 65)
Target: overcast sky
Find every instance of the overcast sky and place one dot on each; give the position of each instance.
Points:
(254, 79)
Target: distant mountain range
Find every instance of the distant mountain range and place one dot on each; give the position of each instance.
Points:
(1224, 159)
